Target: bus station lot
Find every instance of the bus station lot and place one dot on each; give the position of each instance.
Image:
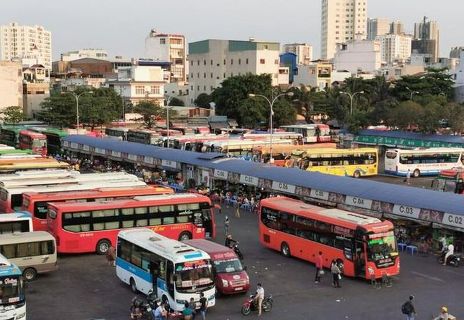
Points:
(85, 287)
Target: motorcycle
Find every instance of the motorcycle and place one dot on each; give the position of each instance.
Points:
(251, 304)
(140, 310)
(237, 250)
(453, 260)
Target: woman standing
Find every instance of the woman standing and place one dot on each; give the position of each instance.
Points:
(336, 274)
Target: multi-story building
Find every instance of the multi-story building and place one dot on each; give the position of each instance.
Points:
(140, 82)
(84, 53)
(170, 48)
(395, 48)
(427, 39)
(316, 75)
(358, 56)
(11, 84)
(377, 27)
(303, 51)
(36, 88)
(17, 41)
(455, 53)
(213, 61)
(341, 20)
(459, 83)
(397, 27)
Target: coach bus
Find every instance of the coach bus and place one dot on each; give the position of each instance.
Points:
(11, 164)
(422, 162)
(9, 135)
(35, 141)
(340, 162)
(54, 138)
(93, 226)
(15, 153)
(282, 152)
(365, 246)
(311, 132)
(36, 203)
(15, 222)
(117, 133)
(11, 199)
(276, 136)
(175, 271)
(13, 301)
(143, 136)
(239, 148)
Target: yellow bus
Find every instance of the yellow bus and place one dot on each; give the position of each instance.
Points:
(13, 165)
(282, 152)
(341, 162)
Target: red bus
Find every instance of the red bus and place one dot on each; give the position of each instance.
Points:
(37, 142)
(93, 226)
(365, 246)
(36, 203)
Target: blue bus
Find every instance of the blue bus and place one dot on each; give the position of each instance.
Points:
(12, 293)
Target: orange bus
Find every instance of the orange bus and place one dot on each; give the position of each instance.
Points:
(36, 203)
(282, 152)
(94, 226)
(365, 246)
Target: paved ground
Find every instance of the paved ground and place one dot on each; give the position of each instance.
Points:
(85, 287)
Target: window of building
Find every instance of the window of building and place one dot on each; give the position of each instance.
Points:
(204, 62)
(139, 90)
(224, 61)
(239, 61)
(198, 62)
(211, 75)
(162, 41)
(211, 62)
(191, 75)
(154, 89)
(204, 75)
(204, 88)
(198, 75)
(231, 61)
(262, 61)
(246, 61)
(198, 88)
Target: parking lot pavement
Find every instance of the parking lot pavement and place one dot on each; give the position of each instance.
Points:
(85, 287)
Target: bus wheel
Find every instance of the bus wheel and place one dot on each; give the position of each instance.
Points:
(185, 236)
(416, 173)
(356, 174)
(29, 274)
(133, 285)
(285, 249)
(103, 246)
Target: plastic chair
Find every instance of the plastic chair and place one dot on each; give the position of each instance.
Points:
(402, 246)
(411, 249)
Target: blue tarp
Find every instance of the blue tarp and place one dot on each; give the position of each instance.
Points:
(397, 194)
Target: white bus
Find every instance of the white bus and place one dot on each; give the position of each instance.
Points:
(38, 174)
(312, 133)
(422, 162)
(175, 271)
(13, 301)
(15, 222)
(240, 148)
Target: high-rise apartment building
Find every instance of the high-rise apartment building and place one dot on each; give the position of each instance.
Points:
(394, 47)
(170, 48)
(377, 27)
(303, 51)
(427, 39)
(397, 27)
(341, 20)
(26, 42)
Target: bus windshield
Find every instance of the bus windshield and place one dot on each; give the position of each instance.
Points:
(381, 246)
(193, 275)
(11, 289)
(228, 266)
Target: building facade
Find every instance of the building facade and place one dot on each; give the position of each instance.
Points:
(316, 75)
(427, 39)
(358, 56)
(341, 20)
(11, 84)
(84, 53)
(213, 61)
(377, 27)
(170, 48)
(397, 27)
(29, 42)
(303, 52)
(395, 48)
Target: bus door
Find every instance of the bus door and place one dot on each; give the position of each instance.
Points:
(170, 280)
(359, 258)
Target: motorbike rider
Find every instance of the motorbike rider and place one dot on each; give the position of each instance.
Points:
(229, 241)
(449, 253)
(135, 309)
(443, 314)
(259, 297)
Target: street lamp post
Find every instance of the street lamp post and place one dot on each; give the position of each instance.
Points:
(411, 92)
(168, 101)
(271, 105)
(351, 95)
(77, 96)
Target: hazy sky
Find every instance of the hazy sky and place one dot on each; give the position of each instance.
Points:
(121, 26)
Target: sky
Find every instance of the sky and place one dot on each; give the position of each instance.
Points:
(120, 26)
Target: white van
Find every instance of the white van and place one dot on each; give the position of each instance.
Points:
(33, 252)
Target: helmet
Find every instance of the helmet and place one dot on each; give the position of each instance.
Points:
(444, 309)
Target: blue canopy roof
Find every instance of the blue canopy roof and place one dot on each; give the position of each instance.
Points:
(367, 189)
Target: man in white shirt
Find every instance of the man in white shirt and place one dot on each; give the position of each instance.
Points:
(259, 297)
(449, 253)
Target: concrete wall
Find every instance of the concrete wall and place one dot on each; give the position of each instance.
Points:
(11, 84)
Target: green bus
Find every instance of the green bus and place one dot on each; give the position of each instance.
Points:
(54, 137)
(14, 152)
(9, 135)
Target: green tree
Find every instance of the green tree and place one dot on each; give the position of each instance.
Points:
(429, 121)
(176, 102)
(13, 114)
(406, 115)
(455, 117)
(150, 112)
(203, 100)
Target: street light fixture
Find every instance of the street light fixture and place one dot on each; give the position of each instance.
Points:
(352, 95)
(77, 96)
(168, 101)
(411, 92)
(271, 102)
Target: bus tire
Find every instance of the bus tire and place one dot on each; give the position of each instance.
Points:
(133, 285)
(30, 274)
(185, 236)
(416, 173)
(356, 174)
(285, 250)
(103, 246)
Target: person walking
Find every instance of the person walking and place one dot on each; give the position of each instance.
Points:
(203, 306)
(408, 177)
(319, 266)
(111, 256)
(237, 209)
(226, 225)
(408, 308)
(336, 274)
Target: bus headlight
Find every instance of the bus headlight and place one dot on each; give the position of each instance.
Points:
(21, 315)
(225, 283)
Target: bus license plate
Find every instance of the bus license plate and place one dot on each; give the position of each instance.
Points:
(238, 288)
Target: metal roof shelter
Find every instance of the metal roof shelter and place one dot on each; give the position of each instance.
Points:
(410, 202)
(407, 139)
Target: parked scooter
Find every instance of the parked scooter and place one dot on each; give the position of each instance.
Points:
(237, 250)
(141, 310)
(453, 260)
(251, 304)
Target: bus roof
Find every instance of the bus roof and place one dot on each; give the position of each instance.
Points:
(50, 131)
(345, 218)
(130, 203)
(15, 215)
(276, 148)
(427, 150)
(174, 250)
(15, 129)
(32, 174)
(248, 143)
(32, 134)
(210, 247)
(335, 150)
(23, 237)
